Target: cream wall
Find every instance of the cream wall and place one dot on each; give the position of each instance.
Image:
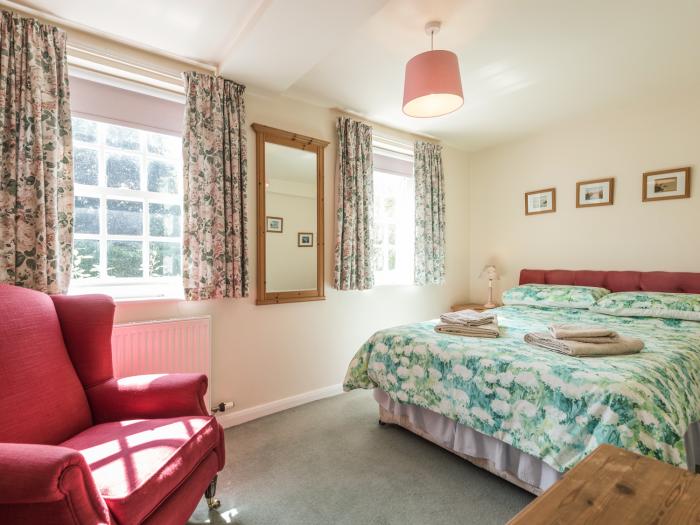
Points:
(267, 353)
(630, 235)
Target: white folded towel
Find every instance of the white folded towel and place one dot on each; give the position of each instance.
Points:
(468, 318)
(622, 346)
(484, 330)
(583, 333)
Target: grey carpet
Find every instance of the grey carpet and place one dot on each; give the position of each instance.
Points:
(329, 462)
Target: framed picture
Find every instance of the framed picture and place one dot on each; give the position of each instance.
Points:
(305, 240)
(599, 192)
(666, 184)
(541, 201)
(274, 224)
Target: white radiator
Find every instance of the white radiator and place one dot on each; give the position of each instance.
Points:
(156, 347)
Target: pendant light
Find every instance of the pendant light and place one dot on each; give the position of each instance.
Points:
(432, 86)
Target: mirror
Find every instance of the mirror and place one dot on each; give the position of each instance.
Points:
(290, 216)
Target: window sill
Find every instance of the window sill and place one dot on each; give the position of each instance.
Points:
(125, 294)
(154, 299)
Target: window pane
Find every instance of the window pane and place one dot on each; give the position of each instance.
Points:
(124, 217)
(378, 258)
(392, 234)
(86, 259)
(123, 172)
(87, 215)
(84, 130)
(123, 138)
(164, 145)
(379, 233)
(390, 207)
(124, 259)
(85, 166)
(164, 260)
(161, 177)
(164, 220)
(391, 263)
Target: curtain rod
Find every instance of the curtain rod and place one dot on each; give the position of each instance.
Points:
(103, 56)
(92, 73)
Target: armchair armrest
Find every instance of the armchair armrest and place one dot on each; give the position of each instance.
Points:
(37, 481)
(149, 396)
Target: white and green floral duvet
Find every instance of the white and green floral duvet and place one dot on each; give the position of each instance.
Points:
(555, 407)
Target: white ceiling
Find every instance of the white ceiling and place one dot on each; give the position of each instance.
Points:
(525, 64)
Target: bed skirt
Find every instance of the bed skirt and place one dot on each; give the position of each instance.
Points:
(517, 467)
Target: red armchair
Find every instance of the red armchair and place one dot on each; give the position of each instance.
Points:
(78, 446)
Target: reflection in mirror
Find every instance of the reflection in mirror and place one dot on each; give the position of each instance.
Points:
(290, 216)
(290, 210)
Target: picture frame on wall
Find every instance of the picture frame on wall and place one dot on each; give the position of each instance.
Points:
(274, 224)
(597, 192)
(541, 201)
(666, 184)
(305, 240)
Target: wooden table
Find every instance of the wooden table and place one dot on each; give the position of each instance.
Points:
(617, 487)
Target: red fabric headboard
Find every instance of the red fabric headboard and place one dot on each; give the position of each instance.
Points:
(678, 282)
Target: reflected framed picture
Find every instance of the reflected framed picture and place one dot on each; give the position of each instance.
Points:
(274, 224)
(666, 184)
(599, 192)
(305, 240)
(541, 201)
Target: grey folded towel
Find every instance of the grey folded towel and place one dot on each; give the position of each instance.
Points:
(621, 346)
(484, 330)
(574, 331)
(468, 318)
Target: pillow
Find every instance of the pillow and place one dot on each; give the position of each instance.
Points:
(554, 295)
(685, 306)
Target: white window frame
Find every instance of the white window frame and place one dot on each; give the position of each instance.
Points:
(403, 273)
(145, 286)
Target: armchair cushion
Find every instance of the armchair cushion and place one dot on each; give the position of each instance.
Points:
(147, 396)
(86, 324)
(137, 464)
(47, 484)
(41, 398)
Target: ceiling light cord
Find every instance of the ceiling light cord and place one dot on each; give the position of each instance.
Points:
(432, 28)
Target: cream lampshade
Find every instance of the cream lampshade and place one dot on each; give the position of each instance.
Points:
(489, 272)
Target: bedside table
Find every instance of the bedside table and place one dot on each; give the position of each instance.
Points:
(470, 306)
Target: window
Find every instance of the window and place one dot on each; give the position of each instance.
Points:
(394, 213)
(128, 209)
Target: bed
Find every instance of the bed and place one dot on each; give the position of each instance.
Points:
(529, 415)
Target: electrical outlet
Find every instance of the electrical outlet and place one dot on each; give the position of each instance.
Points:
(223, 406)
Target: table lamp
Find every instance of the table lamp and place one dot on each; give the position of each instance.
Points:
(489, 272)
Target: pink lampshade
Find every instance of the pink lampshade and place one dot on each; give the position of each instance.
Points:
(433, 86)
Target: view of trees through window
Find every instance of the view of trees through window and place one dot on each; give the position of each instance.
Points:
(128, 204)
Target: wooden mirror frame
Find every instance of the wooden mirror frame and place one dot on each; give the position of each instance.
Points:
(264, 134)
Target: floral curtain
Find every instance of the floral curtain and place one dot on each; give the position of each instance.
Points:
(215, 241)
(430, 214)
(354, 200)
(36, 159)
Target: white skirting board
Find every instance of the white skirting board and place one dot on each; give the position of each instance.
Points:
(231, 419)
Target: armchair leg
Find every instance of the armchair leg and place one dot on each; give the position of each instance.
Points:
(209, 494)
